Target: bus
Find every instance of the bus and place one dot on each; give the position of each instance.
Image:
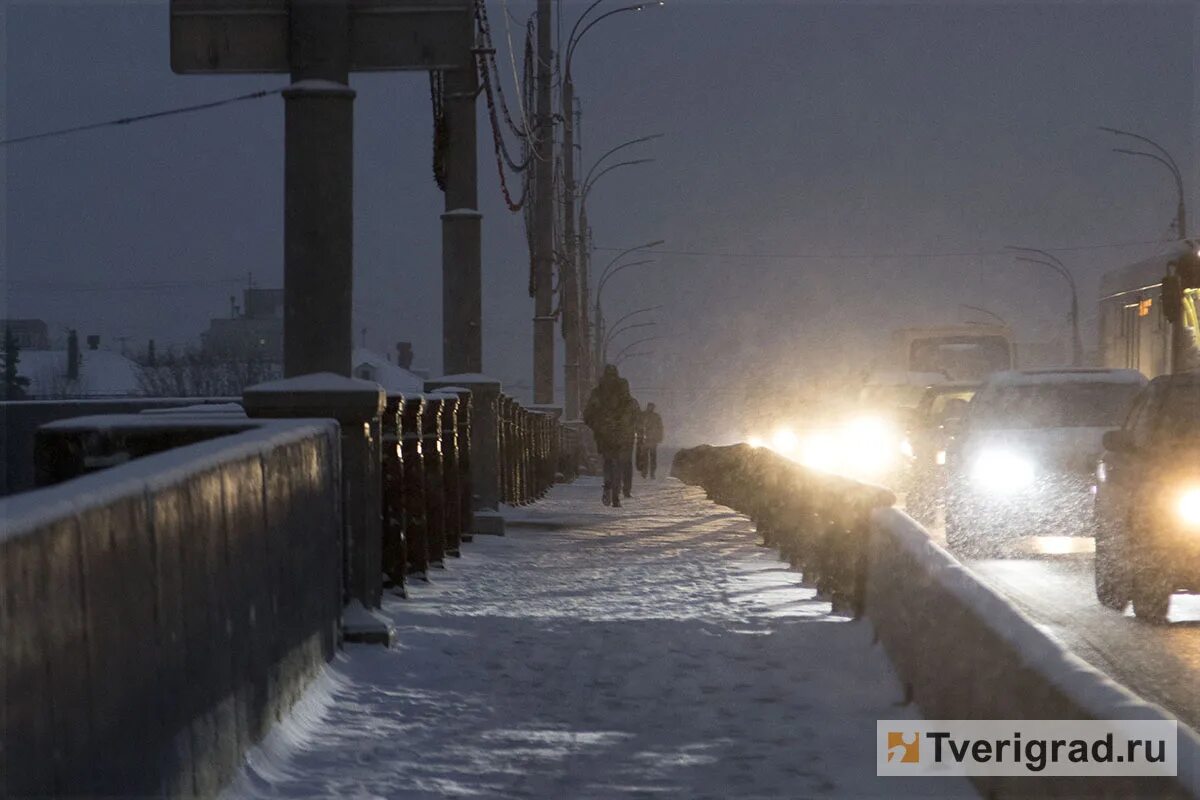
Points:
(958, 352)
(1134, 331)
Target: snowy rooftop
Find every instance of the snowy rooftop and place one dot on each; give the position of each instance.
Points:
(394, 379)
(101, 374)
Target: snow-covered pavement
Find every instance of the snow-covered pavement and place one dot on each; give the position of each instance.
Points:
(647, 651)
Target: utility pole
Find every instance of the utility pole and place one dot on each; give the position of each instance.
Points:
(543, 217)
(570, 274)
(1052, 261)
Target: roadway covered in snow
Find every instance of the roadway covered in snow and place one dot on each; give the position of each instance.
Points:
(648, 651)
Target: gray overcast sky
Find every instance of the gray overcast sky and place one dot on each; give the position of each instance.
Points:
(790, 128)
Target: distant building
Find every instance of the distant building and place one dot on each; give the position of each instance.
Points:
(31, 334)
(252, 333)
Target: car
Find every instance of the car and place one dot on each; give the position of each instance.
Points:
(1022, 461)
(1147, 507)
(940, 408)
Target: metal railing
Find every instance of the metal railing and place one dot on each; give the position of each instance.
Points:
(819, 522)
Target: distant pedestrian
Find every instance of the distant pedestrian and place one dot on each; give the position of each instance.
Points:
(633, 413)
(607, 414)
(651, 435)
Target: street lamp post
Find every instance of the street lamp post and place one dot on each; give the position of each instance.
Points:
(608, 271)
(983, 310)
(617, 331)
(1162, 157)
(625, 350)
(584, 256)
(599, 326)
(628, 356)
(1053, 262)
(572, 330)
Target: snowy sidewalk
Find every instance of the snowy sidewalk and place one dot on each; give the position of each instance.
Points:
(647, 651)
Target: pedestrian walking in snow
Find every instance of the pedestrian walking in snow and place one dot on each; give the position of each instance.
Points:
(651, 436)
(608, 415)
(633, 413)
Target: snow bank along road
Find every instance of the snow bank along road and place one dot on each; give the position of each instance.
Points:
(648, 651)
(1160, 663)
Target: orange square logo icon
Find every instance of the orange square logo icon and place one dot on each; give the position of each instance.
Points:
(903, 748)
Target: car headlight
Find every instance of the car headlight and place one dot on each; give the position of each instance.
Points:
(1002, 471)
(784, 442)
(1187, 507)
(756, 442)
(820, 451)
(906, 448)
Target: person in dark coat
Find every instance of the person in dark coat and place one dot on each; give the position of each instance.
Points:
(607, 414)
(651, 435)
(633, 413)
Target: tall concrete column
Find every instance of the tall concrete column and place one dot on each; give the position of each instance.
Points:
(462, 304)
(543, 216)
(570, 275)
(318, 192)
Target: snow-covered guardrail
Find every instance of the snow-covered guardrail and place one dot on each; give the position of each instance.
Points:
(159, 615)
(819, 522)
(965, 652)
(962, 651)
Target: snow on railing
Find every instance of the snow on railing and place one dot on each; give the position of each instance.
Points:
(819, 522)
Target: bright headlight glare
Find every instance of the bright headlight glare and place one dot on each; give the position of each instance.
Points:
(1002, 471)
(755, 441)
(906, 448)
(784, 442)
(1188, 507)
(819, 451)
(868, 430)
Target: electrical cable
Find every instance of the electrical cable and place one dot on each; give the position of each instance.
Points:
(893, 255)
(140, 117)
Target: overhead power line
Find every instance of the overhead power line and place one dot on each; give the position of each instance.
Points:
(143, 286)
(893, 255)
(141, 117)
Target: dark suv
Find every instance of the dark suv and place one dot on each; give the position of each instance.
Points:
(1148, 500)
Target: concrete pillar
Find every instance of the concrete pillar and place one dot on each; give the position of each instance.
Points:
(462, 307)
(485, 455)
(552, 463)
(357, 406)
(318, 263)
(543, 212)
(462, 294)
(318, 188)
(463, 457)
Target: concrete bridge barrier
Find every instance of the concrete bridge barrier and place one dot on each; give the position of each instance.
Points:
(962, 651)
(158, 616)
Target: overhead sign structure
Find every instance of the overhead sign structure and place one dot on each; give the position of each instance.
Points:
(251, 36)
(320, 42)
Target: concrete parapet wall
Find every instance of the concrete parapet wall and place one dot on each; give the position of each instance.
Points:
(157, 617)
(20, 419)
(967, 653)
